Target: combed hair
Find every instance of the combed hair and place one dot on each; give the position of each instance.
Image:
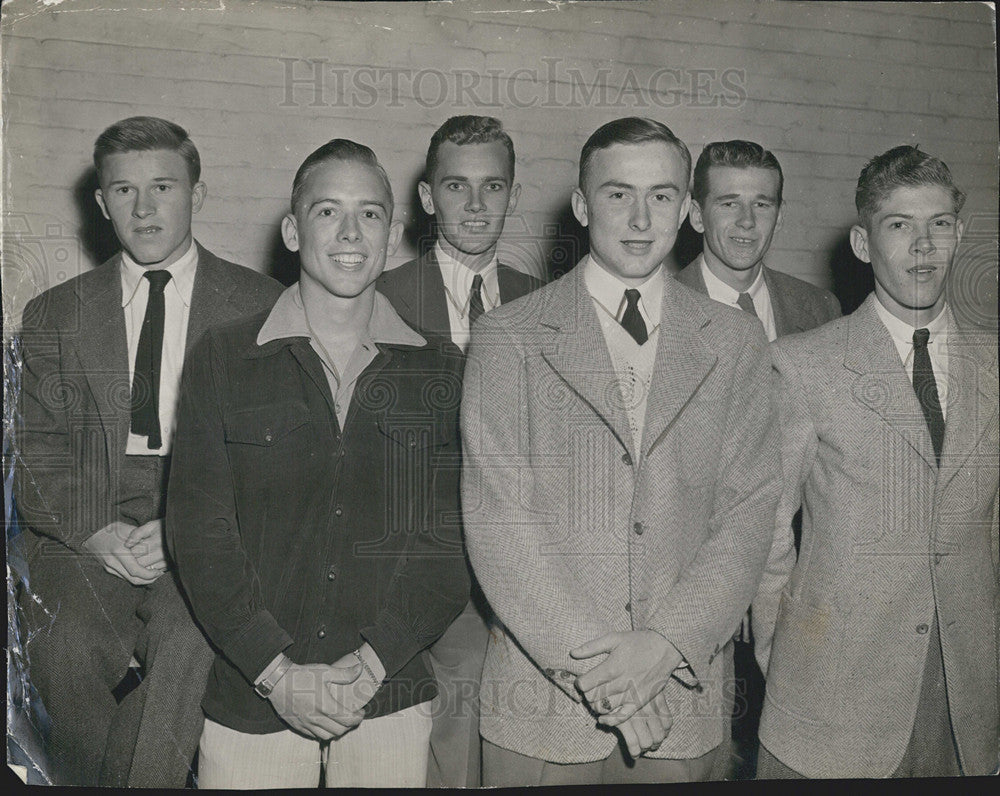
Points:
(463, 130)
(902, 166)
(338, 149)
(631, 130)
(144, 134)
(737, 154)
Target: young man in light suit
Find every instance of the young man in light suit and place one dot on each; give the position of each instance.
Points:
(884, 655)
(102, 356)
(618, 490)
(736, 203)
(469, 188)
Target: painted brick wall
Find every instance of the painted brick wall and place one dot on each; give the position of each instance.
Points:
(260, 84)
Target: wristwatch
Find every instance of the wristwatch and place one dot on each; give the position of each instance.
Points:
(269, 681)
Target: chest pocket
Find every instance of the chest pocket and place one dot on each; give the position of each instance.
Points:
(414, 436)
(265, 426)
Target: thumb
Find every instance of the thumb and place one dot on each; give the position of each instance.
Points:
(343, 675)
(605, 643)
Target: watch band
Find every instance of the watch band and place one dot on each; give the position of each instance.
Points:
(266, 686)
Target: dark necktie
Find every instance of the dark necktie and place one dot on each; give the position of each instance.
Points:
(631, 319)
(745, 302)
(146, 381)
(925, 386)
(476, 307)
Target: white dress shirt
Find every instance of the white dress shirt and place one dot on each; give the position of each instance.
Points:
(724, 294)
(177, 309)
(937, 346)
(633, 363)
(458, 288)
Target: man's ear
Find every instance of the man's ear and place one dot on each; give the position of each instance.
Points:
(695, 214)
(959, 231)
(395, 236)
(515, 193)
(99, 196)
(781, 217)
(579, 203)
(198, 193)
(685, 207)
(859, 243)
(426, 199)
(290, 232)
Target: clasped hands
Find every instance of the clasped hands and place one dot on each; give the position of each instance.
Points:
(132, 553)
(627, 689)
(325, 701)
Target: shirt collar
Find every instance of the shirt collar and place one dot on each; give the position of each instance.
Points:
(458, 278)
(181, 275)
(902, 333)
(288, 319)
(720, 291)
(609, 290)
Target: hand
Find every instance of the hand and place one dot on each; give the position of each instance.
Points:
(108, 546)
(304, 700)
(646, 730)
(359, 693)
(146, 544)
(638, 665)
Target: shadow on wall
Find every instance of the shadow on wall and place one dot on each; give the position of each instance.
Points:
(852, 278)
(97, 236)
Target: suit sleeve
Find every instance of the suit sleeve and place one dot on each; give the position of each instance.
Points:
(50, 434)
(699, 612)
(202, 529)
(798, 451)
(533, 593)
(431, 585)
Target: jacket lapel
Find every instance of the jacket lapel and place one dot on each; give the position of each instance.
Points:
(578, 353)
(102, 349)
(429, 292)
(883, 385)
(683, 360)
(786, 311)
(971, 400)
(210, 298)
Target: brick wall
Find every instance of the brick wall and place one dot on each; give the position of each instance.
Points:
(260, 84)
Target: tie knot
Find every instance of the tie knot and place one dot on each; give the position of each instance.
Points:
(157, 280)
(920, 337)
(477, 282)
(632, 297)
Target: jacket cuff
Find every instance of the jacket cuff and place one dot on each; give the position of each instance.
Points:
(261, 639)
(393, 642)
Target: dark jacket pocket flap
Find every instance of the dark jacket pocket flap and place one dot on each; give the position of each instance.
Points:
(265, 425)
(415, 435)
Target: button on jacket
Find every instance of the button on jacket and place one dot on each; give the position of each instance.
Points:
(292, 534)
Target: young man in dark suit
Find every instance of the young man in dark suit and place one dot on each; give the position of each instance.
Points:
(736, 203)
(884, 654)
(469, 188)
(102, 358)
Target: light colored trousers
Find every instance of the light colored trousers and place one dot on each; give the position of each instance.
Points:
(387, 752)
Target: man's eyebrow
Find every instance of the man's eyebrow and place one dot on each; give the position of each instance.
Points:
(329, 200)
(665, 186)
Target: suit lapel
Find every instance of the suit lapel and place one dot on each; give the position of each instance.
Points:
(102, 349)
(210, 298)
(786, 312)
(971, 400)
(579, 354)
(883, 385)
(433, 302)
(683, 360)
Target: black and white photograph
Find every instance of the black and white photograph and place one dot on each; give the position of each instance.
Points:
(499, 393)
